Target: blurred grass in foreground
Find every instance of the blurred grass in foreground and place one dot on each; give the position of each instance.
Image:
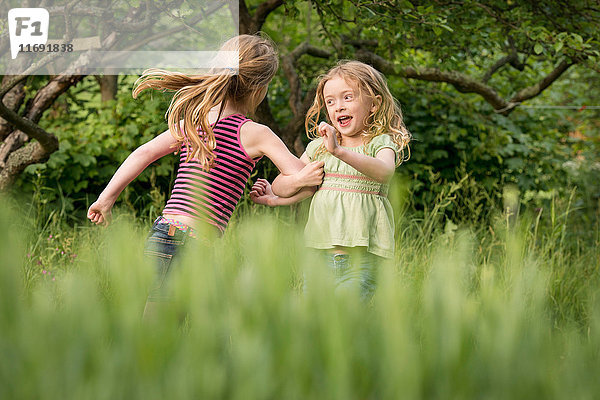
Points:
(459, 314)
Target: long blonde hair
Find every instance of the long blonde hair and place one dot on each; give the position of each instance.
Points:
(385, 120)
(196, 95)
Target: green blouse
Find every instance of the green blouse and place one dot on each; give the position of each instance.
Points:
(350, 209)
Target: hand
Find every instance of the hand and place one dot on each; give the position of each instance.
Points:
(329, 135)
(311, 174)
(100, 212)
(261, 192)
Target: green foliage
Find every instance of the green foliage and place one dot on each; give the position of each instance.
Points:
(94, 140)
(482, 150)
(458, 136)
(459, 140)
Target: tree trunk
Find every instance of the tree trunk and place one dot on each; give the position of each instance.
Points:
(13, 157)
(18, 160)
(108, 87)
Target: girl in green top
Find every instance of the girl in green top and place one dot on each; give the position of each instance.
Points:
(364, 139)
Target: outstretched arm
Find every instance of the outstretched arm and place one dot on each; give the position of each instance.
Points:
(381, 167)
(262, 194)
(100, 211)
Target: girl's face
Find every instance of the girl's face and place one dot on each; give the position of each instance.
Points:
(347, 110)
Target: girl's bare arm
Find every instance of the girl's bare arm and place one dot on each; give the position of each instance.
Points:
(138, 160)
(311, 175)
(262, 193)
(381, 167)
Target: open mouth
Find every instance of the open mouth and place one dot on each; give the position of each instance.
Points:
(344, 120)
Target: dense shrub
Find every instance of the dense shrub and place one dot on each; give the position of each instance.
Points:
(94, 140)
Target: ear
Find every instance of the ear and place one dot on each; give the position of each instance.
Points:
(376, 103)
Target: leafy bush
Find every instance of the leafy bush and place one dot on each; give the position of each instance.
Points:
(458, 138)
(94, 140)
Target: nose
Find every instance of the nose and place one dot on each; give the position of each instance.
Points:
(340, 107)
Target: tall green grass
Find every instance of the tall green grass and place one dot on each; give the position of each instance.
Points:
(500, 312)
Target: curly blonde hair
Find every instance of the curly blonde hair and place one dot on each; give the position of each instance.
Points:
(385, 120)
(196, 95)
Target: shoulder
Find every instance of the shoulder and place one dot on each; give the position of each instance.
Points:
(312, 147)
(256, 138)
(383, 139)
(253, 133)
(379, 142)
(252, 128)
(260, 140)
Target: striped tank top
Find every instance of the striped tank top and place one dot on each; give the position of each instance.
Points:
(212, 196)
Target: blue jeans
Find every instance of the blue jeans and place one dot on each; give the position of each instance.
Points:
(355, 270)
(163, 248)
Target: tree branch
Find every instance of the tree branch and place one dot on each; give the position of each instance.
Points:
(13, 101)
(252, 23)
(81, 10)
(47, 140)
(10, 144)
(9, 84)
(288, 63)
(499, 64)
(534, 90)
(244, 17)
(298, 105)
(40, 103)
(127, 24)
(462, 82)
(307, 48)
(296, 124)
(171, 31)
(263, 11)
(27, 126)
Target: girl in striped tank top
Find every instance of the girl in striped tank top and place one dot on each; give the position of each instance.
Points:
(219, 148)
(350, 219)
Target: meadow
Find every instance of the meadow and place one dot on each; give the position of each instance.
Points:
(506, 310)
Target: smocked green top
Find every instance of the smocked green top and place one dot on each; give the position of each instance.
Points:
(350, 209)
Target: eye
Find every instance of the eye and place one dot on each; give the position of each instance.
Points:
(329, 102)
(348, 97)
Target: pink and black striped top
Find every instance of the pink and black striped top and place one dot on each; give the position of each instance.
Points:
(212, 196)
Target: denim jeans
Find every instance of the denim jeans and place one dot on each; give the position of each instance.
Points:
(163, 246)
(357, 270)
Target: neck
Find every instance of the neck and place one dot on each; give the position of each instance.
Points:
(230, 109)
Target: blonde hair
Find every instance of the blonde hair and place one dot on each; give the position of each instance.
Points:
(196, 95)
(385, 120)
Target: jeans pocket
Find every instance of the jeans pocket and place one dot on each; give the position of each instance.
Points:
(162, 249)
